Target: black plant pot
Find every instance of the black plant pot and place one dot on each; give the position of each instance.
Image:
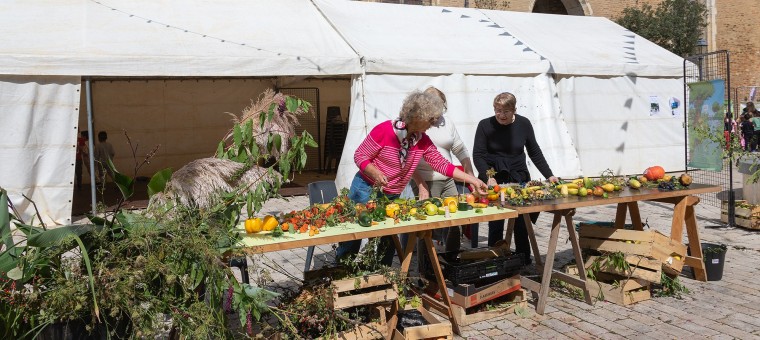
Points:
(77, 329)
(714, 256)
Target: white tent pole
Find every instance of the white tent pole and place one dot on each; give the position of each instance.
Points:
(90, 142)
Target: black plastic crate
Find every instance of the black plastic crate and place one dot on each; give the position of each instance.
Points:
(469, 271)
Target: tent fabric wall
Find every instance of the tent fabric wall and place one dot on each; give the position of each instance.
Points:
(37, 151)
(470, 99)
(610, 122)
(429, 40)
(170, 38)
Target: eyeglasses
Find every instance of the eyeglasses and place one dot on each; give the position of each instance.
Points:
(500, 112)
(436, 121)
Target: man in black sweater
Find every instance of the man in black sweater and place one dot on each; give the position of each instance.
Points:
(500, 143)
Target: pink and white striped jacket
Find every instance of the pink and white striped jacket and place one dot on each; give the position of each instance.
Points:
(381, 148)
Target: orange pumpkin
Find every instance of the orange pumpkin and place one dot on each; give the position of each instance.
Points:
(654, 173)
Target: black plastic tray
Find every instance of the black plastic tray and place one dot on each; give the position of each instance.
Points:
(470, 271)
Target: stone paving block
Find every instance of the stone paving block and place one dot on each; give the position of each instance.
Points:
(733, 331)
(504, 324)
(494, 333)
(611, 336)
(563, 316)
(590, 328)
(721, 337)
(697, 328)
(558, 325)
(578, 335)
(742, 321)
(544, 332)
(673, 330)
(519, 333)
(483, 325)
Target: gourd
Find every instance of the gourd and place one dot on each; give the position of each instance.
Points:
(654, 173)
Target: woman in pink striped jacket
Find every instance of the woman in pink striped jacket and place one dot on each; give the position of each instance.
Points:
(389, 155)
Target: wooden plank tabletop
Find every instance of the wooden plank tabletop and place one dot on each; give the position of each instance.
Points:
(264, 242)
(624, 196)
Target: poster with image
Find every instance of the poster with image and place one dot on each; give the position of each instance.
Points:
(705, 118)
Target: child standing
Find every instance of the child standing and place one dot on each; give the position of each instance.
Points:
(103, 153)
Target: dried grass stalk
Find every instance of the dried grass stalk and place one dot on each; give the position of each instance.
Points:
(283, 122)
(199, 183)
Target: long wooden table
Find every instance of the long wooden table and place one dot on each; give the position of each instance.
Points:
(627, 202)
(263, 243)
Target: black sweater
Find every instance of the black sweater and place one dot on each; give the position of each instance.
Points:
(502, 147)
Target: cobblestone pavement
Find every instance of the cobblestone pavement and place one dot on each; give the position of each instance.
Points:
(724, 309)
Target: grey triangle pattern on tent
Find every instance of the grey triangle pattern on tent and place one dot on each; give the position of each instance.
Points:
(506, 33)
(495, 26)
(464, 16)
(445, 11)
(484, 20)
(527, 49)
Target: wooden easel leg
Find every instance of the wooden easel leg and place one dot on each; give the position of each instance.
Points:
(676, 227)
(397, 245)
(428, 236)
(695, 261)
(510, 231)
(546, 278)
(532, 239)
(622, 210)
(633, 207)
(406, 258)
(578, 256)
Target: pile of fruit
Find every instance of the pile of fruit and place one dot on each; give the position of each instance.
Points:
(655, 177)
(319, 216)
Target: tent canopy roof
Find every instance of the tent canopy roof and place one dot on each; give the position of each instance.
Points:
(317, 37)
(170, 38)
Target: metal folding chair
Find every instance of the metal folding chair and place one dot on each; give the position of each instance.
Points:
(319, 192)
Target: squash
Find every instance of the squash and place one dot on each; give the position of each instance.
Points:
(654, 173)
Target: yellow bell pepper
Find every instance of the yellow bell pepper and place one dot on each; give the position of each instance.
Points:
(253, 225)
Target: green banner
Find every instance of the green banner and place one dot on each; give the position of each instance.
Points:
(705, 119)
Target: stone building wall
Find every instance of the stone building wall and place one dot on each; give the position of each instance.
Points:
(734, 25)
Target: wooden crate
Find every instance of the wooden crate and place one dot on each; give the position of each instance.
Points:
(519, 297)
(362, 290)
(744, 217)
(640, 267)
(435, 329)
(649, 243)
(372, 330)
(625, 292)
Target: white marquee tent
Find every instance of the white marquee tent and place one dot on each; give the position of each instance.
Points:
(586, 83)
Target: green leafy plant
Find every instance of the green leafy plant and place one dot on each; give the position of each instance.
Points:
(670, 286)
(126, 273)
(675, 25)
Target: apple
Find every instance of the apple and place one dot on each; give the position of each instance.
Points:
(483, 200)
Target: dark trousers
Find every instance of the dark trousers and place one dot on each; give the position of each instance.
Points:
(755, 140)
(522, 244)
(78, 173)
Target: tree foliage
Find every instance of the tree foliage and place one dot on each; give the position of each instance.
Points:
(675, 25)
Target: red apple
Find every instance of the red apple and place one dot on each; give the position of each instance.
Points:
(483, 200)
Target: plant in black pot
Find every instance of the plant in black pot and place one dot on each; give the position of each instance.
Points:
(714, 256)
